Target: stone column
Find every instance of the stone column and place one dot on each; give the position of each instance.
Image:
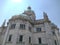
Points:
(5, 37)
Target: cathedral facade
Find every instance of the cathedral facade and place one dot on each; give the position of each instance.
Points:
(24, 29)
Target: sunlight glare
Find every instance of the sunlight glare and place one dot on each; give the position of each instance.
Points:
(16, 1)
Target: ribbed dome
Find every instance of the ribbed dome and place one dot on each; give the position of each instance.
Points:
(21, 16)
(18, 16)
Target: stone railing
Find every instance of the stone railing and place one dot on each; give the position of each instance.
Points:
(20, 43)
(40, 44)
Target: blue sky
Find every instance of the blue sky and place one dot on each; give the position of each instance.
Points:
(51, 7)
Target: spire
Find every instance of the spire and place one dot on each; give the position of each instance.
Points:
(45, 16)
(4, 23)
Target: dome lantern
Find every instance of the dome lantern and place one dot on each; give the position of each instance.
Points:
(29, 8)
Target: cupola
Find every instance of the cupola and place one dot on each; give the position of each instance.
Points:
(29, 12)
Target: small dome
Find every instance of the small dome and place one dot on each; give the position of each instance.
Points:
(28, 11)
(29, 8)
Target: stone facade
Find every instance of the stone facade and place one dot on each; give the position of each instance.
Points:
(24, 29)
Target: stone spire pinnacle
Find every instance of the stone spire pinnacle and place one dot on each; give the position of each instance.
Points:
(45, 16)
(4, 23)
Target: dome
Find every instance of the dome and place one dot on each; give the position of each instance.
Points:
(29, 12)
(26, 15)
(21, 16)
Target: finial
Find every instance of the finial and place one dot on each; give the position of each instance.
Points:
(45, 16)
(44, 13)
(29, 7)
(4, 23)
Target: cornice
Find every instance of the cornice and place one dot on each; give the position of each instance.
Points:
(40, 32)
